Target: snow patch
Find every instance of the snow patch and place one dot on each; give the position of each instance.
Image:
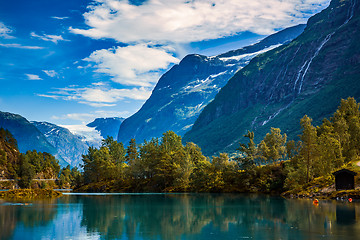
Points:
(249, 56)
(86, 133)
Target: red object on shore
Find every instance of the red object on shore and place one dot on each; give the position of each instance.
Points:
(316, 202)
(350, 199)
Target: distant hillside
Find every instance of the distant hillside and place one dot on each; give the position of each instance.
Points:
(27, 135)
(307, 76)
(183, 91)
(68, 146)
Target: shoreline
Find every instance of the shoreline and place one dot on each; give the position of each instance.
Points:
(29, 194)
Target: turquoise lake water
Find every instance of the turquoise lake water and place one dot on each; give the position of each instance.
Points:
(179, 216)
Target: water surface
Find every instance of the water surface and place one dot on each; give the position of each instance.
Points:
(178, 216)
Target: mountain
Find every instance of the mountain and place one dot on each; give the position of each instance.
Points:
(309, 76)
(69, 146)
(27, 135)
(183, 91)
(107, 126)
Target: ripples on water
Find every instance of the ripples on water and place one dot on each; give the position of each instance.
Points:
(178, 216)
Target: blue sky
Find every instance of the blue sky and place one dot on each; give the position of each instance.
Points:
(68, 62)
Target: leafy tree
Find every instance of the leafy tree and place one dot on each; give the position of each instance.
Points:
(117, 154)
(292, 149)
(222, 175)
(308, 153)
(26, 173)
(249, 151)
(150, 157)
(65, 178)
(273, 147)
(346, 123)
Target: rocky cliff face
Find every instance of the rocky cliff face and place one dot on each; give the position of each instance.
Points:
(183, 92)
(307, 76)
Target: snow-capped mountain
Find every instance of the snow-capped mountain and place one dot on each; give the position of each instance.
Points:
(69, 146)
(308, 76)
(183, 92)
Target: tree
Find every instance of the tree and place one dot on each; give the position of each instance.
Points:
(149, 155)
(131, 152)
(346, 123)
(292, 149)
(308, 151)
(273, 147)
(117, 154)
(249, 151)
(132, 159)
(26, 173)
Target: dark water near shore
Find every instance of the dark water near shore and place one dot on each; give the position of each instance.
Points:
(179, 216)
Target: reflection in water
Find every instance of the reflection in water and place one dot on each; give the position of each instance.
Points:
(179, 216)
(345, 215)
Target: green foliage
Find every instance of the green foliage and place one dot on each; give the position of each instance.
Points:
(273, 165)
(27, 172)
(327, 147)
(249, 152)
(273, 147)
(69, 178)
(7, 137)
(45, 165)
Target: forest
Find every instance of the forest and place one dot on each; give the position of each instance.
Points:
(165, 164)
(276, 164)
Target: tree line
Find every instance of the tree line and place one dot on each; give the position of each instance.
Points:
(273, 165)
(24, 167)
(165, 164)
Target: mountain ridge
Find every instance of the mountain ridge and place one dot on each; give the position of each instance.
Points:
(183, 91)
(307, 76)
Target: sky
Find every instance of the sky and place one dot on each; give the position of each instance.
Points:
(70, 61)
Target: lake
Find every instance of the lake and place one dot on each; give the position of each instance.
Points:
(179, 216)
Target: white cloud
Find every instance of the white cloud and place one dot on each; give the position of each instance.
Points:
(173, 24)
(132, 65)
(88, 117)
(51, 38)
(98, 96)
(33, 77)
(180, 21)
(51, 73)
(59, 18)
(49, 96)
(75, 116)
(5, 31)
(16, 45)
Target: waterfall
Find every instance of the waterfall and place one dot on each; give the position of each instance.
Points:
(307, 63)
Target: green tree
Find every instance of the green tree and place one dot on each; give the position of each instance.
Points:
(26, 173)
(346, 123)
(309, 149)
(117, 154)
(273, 147)
(249, 153)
